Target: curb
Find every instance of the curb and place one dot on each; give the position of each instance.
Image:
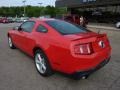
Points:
(105, 28)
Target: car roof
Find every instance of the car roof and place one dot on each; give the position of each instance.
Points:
(42, 19)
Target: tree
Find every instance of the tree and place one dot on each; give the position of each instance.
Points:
(31, 11)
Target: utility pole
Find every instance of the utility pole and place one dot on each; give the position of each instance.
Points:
(40, 6)
(24, 7)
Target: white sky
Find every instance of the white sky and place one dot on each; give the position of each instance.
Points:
(29, 2)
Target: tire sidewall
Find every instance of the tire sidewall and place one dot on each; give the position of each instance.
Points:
(12, 46)
(48, 71)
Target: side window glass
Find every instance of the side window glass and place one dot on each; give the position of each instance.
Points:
(28, 26)
(41, 29)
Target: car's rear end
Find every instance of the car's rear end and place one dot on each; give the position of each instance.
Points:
(89, 52)
(84, 52)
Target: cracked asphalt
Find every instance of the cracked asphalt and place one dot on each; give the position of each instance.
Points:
(17, 70)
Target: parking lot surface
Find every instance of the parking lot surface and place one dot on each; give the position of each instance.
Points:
(17, 70)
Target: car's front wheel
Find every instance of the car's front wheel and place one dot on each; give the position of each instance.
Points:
(11, 45)
(42, 64)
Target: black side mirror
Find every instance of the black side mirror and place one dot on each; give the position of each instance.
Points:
(16, 28)
(20, 29)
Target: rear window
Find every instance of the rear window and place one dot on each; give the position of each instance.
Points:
(66, 28)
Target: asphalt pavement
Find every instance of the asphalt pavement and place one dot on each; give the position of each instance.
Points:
(17, 70)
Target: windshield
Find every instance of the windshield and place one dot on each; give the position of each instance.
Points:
(66, 28)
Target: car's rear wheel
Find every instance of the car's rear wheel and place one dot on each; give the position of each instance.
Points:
(42, 64)
(11, 45)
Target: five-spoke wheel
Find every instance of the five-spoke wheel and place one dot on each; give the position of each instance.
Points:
(42, 64)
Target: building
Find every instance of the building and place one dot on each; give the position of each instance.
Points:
(71, 4)
(101, 6)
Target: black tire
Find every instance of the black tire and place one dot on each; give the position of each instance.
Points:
(48, 71)
(10, 42)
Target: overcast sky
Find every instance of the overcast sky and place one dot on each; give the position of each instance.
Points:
(29, 2)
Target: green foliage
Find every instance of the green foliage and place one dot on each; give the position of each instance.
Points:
(31, 11)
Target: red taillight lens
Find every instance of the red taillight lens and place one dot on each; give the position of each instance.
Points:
(84, 49)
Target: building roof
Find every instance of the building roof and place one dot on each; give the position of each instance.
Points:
(86, 3)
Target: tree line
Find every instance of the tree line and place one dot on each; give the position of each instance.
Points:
(31, 11)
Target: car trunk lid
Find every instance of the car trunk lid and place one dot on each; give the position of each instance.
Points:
(98, 41)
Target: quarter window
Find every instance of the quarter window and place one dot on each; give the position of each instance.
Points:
(41, 29)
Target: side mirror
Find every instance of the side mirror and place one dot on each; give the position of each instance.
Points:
(15, 28)
(20, 29)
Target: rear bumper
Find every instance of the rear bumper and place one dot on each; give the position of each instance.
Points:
(83, 63)
(88, 72)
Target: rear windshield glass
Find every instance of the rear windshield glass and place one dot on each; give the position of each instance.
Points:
(66, 28)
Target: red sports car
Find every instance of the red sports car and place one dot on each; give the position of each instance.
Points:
(4, 20)
(57, 45)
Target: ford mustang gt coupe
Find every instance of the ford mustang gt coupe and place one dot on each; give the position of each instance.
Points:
(61, 46)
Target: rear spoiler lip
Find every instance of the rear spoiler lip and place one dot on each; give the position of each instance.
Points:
(94, 37)
(85, 37)
(102, 35)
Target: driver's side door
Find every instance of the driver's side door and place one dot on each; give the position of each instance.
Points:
(21, 34)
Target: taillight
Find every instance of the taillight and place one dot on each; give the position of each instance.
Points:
(84, 49)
